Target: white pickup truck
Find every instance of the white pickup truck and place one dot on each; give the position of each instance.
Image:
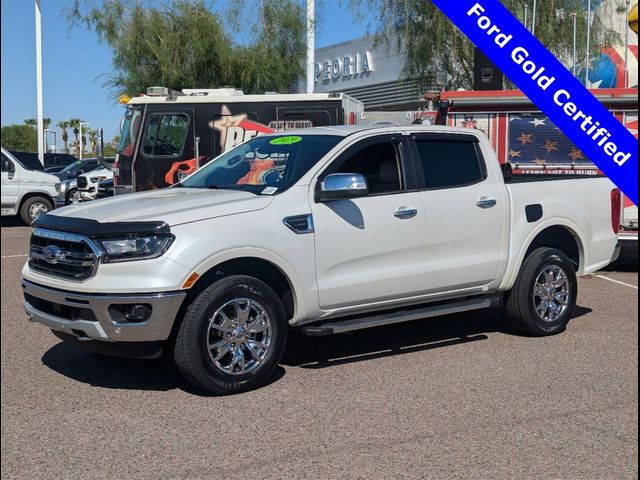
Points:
(327, 230)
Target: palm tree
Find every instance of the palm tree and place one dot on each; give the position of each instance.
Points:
(92, 141)
(74, 124)
(46, 122)
(63, 125)
(32, 122)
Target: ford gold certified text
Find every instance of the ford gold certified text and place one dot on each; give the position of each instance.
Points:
(575, 111)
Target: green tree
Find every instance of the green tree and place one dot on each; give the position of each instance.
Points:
(31, 122)
(429, 41)
(19, 137)
(183, 44)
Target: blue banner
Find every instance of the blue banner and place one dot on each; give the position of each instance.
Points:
(551, 87)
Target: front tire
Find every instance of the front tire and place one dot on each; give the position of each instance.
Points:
(34, 207)
(73, 197)
(232, 336)
(544, 294)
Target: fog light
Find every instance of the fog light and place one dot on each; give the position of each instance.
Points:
(130, 313)
(137, 313)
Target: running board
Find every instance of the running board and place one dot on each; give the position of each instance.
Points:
(338, 326)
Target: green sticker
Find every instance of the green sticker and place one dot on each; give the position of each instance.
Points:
(290, 140)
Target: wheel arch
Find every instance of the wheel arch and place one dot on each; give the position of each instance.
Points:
(29, 195)
(261, 264)
(555, 233)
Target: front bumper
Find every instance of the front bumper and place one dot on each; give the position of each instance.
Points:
(99, 316)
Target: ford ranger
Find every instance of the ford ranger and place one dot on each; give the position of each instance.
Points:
(327, 230)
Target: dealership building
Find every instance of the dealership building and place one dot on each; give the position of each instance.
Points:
(369, 73)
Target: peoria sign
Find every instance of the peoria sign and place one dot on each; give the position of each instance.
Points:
(345, 66)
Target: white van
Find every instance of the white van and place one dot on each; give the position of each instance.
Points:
(25, 192)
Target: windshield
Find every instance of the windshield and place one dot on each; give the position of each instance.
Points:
(129, 126)
(72, 167)
(265, 164)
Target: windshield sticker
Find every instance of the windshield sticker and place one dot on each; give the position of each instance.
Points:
(289, 140)
(269, 190)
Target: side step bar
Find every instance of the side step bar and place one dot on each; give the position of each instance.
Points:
(359, 323)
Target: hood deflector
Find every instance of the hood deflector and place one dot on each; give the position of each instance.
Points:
(94, 229)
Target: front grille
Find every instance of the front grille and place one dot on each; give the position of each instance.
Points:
(82, 182)
(64, 255)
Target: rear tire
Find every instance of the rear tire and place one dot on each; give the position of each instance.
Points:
(544, 294)
(32, 207)
(232, 336)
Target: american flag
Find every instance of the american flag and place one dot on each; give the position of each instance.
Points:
(535, 140)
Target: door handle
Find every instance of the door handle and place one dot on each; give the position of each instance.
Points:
(486, 202)
(404, 212)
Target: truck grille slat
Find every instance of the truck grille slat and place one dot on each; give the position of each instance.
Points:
(64, 255)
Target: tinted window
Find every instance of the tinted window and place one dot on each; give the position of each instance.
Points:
(165, 135)
(28, 160)
(7, 164)
(449, 163)
(378, 162)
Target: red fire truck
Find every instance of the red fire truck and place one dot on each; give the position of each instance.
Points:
(526, 139)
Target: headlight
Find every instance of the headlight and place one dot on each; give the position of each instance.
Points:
(58, 187)
(134, 248)
(97, 179)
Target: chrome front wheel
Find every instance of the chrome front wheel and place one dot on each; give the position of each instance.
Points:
(239, 336)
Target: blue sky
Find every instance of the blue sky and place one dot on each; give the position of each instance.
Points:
(74, 62)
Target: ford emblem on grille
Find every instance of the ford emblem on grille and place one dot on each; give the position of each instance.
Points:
(52, 254)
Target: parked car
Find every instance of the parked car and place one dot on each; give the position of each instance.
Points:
(68, 177)
(51, 160)
(105, 189)
(327, 229)
(26, 192)
(87, 183)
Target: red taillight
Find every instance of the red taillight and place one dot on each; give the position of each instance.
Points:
(352, 118)
(116, 171)
(616, 209)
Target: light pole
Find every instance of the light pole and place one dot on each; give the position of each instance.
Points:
(311, 31)
(80, 137)
(533, 18)
(526, 14)
(575, 39)
(626, 45)
(46, 147)
(39, 110)
(586, 75)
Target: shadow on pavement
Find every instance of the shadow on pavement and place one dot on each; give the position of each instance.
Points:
(120, 373)
(399, 339)
(11, 222)
(306, 352)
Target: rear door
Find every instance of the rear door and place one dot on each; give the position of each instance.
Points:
(166, 150)
(466, 212)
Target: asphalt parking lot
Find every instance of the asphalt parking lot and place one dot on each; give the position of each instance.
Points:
(455, 397)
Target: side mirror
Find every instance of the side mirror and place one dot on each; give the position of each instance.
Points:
(338, 186)
(100, 146)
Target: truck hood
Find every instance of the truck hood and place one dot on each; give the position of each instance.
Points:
(42, 178)
(175, 206)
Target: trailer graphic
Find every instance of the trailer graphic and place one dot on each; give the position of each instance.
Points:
(166, 135)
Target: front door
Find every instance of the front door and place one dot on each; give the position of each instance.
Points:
(166, 151)
(466, 213)
(10, 183)
(371, 249)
